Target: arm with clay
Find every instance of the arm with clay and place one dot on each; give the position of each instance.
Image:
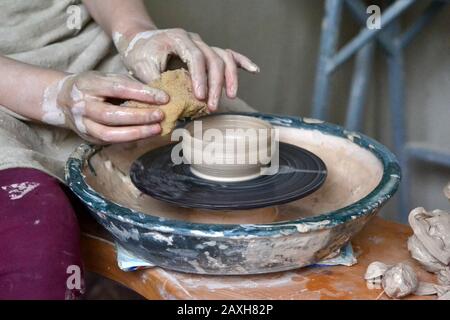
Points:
(146, 50)
(80, 101)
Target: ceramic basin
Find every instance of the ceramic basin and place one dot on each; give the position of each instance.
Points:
(362, 176)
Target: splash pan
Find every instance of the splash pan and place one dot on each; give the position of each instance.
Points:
(362, 175)
(300, 173)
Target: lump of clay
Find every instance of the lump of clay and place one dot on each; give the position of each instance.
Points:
(445, 296)
(183, 104)
(421, 254)
(426, 289)
(432, 229)
(400, 281)
(374, 274)
(443, 276)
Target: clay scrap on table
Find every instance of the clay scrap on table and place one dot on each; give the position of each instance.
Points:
(397, 281)
(430, 246)
(443, 276)
(374, 274)
(400, 280)
(183, 104)
(432, 233)
(447, 191)
(423, 256)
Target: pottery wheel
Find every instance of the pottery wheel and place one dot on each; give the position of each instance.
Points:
(300, 173)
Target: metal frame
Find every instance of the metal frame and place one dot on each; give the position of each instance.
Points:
(393, 41)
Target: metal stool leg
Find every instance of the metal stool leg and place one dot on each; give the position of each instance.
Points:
(393, 42)
(395, 63)
(360, 86)
(328, 43)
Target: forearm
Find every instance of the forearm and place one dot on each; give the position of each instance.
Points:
(146, 51)
(22, 87)
(80, 101)
(118, 17)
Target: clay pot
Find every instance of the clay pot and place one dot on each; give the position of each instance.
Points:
(228, 148)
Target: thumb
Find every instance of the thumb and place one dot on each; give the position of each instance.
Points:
(147, 72)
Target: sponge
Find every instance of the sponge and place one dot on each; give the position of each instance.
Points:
(183, 103)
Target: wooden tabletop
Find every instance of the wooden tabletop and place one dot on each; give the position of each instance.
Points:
(380, 240)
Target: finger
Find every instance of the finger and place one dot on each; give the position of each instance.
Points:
(112, 115)
(121, 87)
(120, 134)
(147, 71)
(149, 67)
(231, 72)
(186, 49)
(216, 74)
(244, 62)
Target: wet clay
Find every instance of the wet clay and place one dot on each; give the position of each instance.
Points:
(353, 173)
(183, 104)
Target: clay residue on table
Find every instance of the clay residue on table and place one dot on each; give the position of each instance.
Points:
(337, 282)
(353, 173)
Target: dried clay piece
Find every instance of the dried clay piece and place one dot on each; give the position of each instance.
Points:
(444, 276)
(400, 281)
(421, 254)
(426, 289)
(183, 104)
(447, 191)
(374, 274)
(432, 229)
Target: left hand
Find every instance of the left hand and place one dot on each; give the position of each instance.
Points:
(211, 68)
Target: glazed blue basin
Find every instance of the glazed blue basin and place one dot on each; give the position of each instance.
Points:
(249, 248)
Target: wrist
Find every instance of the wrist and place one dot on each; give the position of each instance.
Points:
(122, 36)
(52, 108)
(137, 27)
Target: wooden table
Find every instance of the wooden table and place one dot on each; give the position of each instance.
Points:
(381, 240)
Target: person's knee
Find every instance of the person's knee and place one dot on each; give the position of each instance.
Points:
(40, 237)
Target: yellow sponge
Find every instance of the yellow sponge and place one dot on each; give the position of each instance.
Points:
(183, 103)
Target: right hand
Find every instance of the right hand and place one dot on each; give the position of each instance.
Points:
(83, 100)
(147, 53)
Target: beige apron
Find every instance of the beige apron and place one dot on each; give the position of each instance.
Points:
(40, 32)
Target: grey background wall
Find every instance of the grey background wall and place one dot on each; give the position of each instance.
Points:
(427, 104)
(282, 38)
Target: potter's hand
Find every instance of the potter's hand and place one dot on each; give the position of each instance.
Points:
(147, 53)
(81, 101)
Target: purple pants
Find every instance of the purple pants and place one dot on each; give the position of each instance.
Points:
(39, 238)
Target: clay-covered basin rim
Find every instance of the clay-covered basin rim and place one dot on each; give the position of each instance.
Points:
(385, 189)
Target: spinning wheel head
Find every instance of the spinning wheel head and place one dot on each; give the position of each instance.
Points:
(234, 185)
